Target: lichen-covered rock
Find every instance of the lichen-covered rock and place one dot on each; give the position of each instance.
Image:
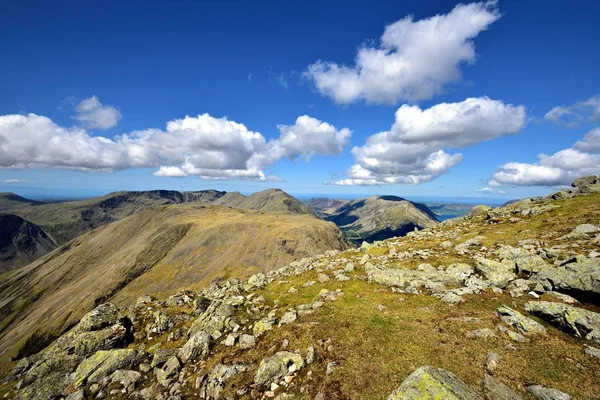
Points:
(277, 366)
(100, 317)
(217, 317)
(573, 320)
(197, 345)
(525, 325)
(262, 326)
(247, 341)
(103, 363)
(543, 393)
(497, 273)
(429, 383)
(217, 378)
(49, 386)
(529, 265)
(582, 276)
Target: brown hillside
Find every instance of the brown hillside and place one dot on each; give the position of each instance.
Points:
(153, 252)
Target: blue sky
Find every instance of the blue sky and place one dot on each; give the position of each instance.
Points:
(72, 72)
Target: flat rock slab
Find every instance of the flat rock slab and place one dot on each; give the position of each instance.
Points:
(433, 383)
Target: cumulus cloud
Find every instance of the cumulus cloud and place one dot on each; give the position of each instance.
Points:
(413, 61)
(94, 115)
(309, 136)
(572, 116)
(560, 168)
(211, 148)
(413, 150)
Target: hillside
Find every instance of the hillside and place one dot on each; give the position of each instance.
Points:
(153, 252)
(271, 200)
(21, 242)
(381, 217)
(325, 206)
(499, 304)
(65, 221)
(9, 201)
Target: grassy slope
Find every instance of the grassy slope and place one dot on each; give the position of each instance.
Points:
(376, 349)
(153, 252)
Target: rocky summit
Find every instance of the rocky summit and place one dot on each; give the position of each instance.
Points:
(500, 304)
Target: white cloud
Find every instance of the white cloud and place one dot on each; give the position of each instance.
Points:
(310, 136)
(489, 190)
(413, 61)
(413, 150)
(11, 181)
(560, 168)
(94, 115)
(211, 148)
(572, 116)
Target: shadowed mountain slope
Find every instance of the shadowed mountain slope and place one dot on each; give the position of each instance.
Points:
(21, 242)
(326, 206)
(152, 252)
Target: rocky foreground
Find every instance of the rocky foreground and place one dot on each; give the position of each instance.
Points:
(500, 304)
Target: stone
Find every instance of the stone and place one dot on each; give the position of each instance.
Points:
(512, 253)
(330, 367)
(247, 341)
(481, 333)
(573, 320)
(494, 389)
(230, 340)
(78, 395)
(262, 326)
(516, 337)
(288, 317)
(103, 363)
(172, 366)
(586, 228)
(530, 265)
(525, 325)
(592, 351)
(433, 383)
(452, 298)
(459, 272)
(581, 276)
(491, 362)
(543, 393)
(218, 316)
(349, 267)
(310, 355)
(277, 366)
(292, 290)
(161, 356)
(125, 377)
(497, 273)
(322, 278)
(217, 380)
(103, 316)
(197, 345)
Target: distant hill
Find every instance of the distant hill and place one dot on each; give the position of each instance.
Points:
(326, 206)
(381, 217)
(267, 200)
(9, 201)
(444, 211)
(158, 251)
(21, 242)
